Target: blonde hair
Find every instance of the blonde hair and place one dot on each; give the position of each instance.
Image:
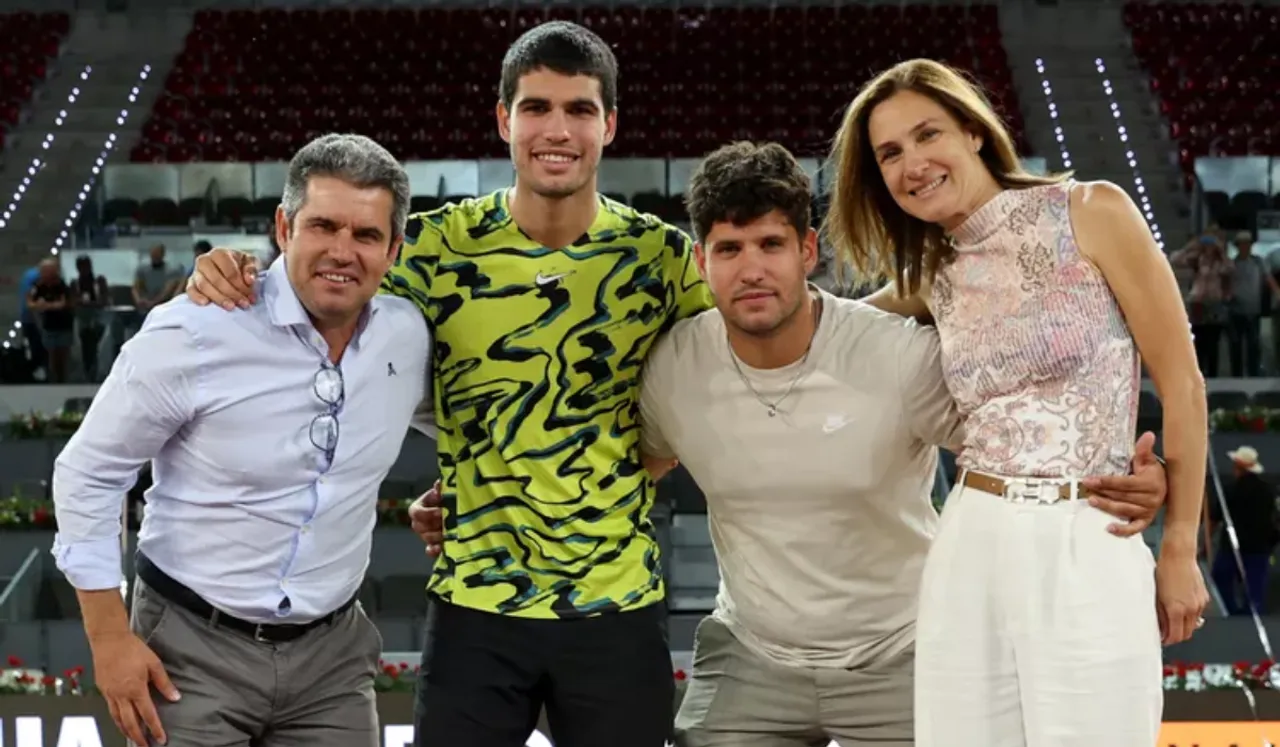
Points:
(864, 225)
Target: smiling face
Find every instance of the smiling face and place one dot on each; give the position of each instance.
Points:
(929, 161)
(758, 271)
(338, 248)
(557, 128)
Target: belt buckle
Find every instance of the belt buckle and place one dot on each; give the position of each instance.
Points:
(257, 633)
(1039, 491)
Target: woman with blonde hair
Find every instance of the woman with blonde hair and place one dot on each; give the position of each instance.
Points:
(1036, 625)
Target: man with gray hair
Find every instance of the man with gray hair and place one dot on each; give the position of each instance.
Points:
(260, 520)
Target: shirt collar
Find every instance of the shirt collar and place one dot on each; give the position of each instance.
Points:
(286, 308)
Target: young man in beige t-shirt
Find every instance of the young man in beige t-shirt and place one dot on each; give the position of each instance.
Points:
(810, 422)
(820, 513)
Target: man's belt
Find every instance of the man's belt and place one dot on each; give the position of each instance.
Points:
(178, 594)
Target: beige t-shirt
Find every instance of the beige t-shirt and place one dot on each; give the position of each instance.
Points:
(821, 515)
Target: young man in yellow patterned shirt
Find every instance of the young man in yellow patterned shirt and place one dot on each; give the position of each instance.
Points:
(543, 301)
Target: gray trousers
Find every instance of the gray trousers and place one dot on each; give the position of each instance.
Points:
(315, 691)
(737, 698)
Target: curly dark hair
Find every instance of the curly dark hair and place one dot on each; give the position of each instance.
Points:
(742, 181)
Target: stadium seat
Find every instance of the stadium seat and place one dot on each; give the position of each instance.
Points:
(31, 41)
(118, 209)
(1215, 72)
(246, 85)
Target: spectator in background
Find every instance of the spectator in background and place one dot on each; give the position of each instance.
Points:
(155, 282)
(1185, 275)
(30, 326)
(1205, 257)
(1272, 262)
(1252, 291)
(200, 248)
(91, 296)
(1252, 506)
(51, 298)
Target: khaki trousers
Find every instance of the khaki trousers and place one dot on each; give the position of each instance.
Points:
(737, 698)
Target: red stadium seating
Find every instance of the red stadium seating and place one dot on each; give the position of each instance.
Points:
(256, 84)
(1216, 73)
(28, 42)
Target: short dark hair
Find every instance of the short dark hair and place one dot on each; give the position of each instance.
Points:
(742, 181)
(561, 47)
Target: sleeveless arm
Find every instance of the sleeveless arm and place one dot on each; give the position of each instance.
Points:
(1112, 234)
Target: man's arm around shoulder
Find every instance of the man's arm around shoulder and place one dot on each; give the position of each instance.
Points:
(410, 322)
(930, 409)
(657, 387)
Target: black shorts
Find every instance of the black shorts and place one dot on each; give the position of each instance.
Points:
(489, 680)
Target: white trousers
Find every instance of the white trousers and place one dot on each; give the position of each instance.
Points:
(1037, 628)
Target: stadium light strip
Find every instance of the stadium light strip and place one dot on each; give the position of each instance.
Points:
(1053, 114)
(1143, 199)
(36, 163)
(99, 163)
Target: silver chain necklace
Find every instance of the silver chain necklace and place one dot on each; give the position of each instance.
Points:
(772, 407)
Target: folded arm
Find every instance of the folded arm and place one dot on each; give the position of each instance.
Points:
(35, 303)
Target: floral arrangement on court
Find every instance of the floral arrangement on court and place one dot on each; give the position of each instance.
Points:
(1199, 677)
(1245, 420)
(38, 425)
(18, 512)
(16, 678)
(395, 679)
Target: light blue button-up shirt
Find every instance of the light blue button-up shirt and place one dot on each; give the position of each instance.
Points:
(245, 509)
